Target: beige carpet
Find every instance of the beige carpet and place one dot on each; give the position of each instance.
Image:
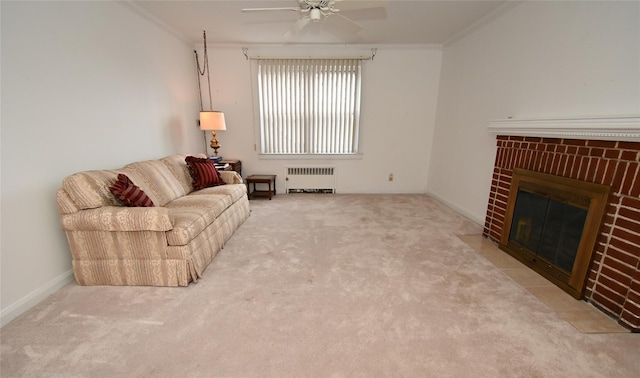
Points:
(320, 286)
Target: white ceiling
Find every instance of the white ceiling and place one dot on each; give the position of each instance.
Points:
(385, 23)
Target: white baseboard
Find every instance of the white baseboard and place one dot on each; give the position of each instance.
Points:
(35, 297)
(458, 209)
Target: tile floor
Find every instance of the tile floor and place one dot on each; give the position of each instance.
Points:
(580, 314)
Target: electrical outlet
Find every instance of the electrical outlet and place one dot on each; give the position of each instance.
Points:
(390, 176)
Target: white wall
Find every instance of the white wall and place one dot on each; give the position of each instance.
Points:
(399, 98)
(536, 60)
(85, 85)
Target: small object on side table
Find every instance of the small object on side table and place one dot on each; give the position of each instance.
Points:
(223, 167)
(261, 179)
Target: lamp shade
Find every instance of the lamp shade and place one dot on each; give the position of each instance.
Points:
(212, 121)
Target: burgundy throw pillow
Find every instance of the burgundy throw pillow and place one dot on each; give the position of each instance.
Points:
(130, 194)
(203, 172)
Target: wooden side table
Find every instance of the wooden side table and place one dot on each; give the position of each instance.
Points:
(234, 165)
(270, 180)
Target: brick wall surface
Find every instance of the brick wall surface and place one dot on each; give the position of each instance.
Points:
(614, 277)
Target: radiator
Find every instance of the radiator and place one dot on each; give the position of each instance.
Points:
(310, 180)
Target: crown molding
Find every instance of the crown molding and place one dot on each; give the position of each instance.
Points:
(618, 128)
(487, 19)
(153, 19)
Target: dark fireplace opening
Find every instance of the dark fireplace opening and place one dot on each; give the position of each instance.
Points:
(548, 227)
(554, 222)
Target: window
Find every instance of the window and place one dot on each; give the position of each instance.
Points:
(309, 106)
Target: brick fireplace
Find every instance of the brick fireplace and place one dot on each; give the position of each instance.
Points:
(601, 151)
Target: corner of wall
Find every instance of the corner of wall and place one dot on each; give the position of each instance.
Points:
(35, 297)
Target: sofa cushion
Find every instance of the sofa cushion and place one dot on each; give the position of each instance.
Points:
(203, 172)
(179, 169)
(90, 189)
(131, 195)
(192, 214)
(235, 191)
(156, 180)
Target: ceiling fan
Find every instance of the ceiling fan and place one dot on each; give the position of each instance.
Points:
(318, 10)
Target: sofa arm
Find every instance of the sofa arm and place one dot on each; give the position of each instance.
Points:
(113, 218)
(231, 177)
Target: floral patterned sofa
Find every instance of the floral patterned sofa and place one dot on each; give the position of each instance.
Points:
(169, 242)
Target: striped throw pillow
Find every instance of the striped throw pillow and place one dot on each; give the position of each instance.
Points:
(203, 172)
(130, 194)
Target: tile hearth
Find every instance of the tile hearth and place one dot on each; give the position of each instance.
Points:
(580, 314)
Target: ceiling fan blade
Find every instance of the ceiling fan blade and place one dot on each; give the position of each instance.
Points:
(366, 14)
(347, 5)
(270, 9)
(349, 26)
(297, 26)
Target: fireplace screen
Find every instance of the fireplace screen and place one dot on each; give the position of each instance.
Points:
(554, 222)
(549, 228)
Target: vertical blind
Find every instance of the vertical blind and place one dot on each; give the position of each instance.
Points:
(309, 106)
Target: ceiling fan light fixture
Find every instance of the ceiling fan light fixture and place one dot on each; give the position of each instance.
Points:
(315, 14)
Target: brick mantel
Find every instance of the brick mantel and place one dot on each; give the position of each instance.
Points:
(614, 278)
(620, 128)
